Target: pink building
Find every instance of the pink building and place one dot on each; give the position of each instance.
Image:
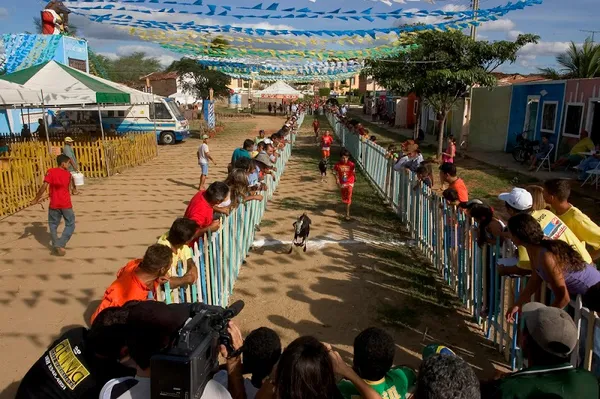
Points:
(582, 108)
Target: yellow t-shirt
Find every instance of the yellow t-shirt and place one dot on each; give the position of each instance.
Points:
(184, 253)
(582, 226)
(554, 229)
(583, 145)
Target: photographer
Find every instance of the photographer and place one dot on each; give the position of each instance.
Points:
(166, 321)
(80, 361)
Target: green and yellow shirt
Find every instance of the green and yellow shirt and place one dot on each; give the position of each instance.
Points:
(395, 385)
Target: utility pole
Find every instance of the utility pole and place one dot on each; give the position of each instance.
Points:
(475, 4)
(593, 32)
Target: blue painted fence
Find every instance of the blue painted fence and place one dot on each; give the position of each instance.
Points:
(219, 255)
(448, 238)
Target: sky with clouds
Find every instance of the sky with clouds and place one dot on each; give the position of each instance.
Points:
(557, 22)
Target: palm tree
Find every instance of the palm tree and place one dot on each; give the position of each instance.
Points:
(576, 62)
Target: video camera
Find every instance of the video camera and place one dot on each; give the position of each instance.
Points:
(183, 370)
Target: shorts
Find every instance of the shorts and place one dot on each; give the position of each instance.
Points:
(346, 192)
(540, 156)
(326, 152)
(204, 167)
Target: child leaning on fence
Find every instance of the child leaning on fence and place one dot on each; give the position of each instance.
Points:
(139, 279)
(179, 235)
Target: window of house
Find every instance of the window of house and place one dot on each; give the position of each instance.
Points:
(161, 111)
(549, 112)
(121, 114)
(111, 114)
(573, 120)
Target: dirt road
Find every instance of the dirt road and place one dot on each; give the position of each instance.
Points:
(333, 291)
(116, 220)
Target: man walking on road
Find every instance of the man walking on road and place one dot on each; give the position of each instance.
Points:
(59, 181)
(203, 158)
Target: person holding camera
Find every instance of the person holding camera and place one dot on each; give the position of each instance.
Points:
(80, 361)
(166, 320)
(139, 279)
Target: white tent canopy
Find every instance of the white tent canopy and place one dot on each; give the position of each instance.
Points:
(12, 94)
(63, 85)
(279, 89)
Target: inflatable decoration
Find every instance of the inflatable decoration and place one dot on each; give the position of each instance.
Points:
(55, 18)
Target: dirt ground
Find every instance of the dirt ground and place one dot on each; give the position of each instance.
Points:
(332, 291)
(116, 220)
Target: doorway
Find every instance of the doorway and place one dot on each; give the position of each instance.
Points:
(595, 129)
(531, 114)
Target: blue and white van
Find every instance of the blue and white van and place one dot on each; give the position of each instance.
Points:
(164, 115)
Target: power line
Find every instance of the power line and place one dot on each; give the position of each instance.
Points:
(593, 32)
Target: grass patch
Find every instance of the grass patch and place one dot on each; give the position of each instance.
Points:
(403, 268)
(267, 223)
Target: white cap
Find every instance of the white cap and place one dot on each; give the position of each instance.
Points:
(518, 198)
(268, 141)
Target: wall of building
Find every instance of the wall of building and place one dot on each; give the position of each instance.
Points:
(25, 50)
(547, 92)
(489, 118)
(164, 87)
(581, 92)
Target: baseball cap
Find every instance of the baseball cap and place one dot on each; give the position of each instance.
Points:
(68, 140)
(551, 328)
(204, 137)
(268, 141)
(435, 349)
(518, 198)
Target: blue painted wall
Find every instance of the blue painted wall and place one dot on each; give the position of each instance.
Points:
(520, 92)
(72, 48)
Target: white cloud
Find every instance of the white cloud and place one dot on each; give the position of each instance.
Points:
(429, 19)
(499, 25)
(163, 56)
(544, 48)
(3, 13)
(513, 34)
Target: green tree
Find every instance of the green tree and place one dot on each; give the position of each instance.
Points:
(129, 68)
(197, 79)
(443, 67)
(577, 62)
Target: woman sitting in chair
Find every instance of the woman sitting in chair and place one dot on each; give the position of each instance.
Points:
(543, 151)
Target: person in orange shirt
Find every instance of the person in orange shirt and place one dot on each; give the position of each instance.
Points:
(326, 142)
(139, 279)
(448, 175)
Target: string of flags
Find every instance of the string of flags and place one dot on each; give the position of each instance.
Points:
(252, 52)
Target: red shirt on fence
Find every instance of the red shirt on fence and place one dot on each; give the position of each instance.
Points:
(58, 180)
(127, 287)
(199, 210)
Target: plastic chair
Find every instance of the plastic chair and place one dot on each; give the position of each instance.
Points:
(593, 174)
(546, 159)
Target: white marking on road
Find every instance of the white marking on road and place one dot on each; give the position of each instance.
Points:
(319, 243)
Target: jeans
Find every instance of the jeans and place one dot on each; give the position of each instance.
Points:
(587, 164)
(54, 217)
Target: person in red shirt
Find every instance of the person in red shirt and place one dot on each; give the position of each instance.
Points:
(139, 279)
(326, 142)
(200, 208)
(316, 126)
(345, 176)
(448, 175)
(60, 183)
